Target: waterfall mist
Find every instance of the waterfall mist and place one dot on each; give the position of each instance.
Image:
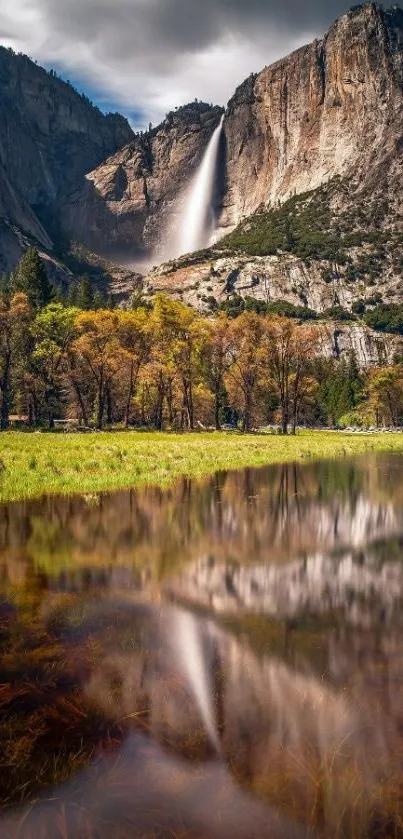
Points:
(196, 224)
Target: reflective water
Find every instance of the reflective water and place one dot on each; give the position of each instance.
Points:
(223, 659)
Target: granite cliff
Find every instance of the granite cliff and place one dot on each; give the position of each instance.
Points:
(310, 213)
(130, 201)
(288, 130)
(331, 108)
(308, 182)
(50, 136)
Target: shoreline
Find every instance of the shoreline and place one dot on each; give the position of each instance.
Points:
(35, 465)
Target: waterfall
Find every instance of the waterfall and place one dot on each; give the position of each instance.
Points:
(196, 224)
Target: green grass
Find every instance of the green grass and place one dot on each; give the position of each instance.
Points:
(36, 464)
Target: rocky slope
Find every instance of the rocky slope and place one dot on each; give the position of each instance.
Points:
(202, 282)
(207, 281)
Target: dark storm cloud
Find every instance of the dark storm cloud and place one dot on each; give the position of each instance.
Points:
(154, 54)
(186, 24)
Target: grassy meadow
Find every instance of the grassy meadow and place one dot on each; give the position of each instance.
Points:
(35, 464)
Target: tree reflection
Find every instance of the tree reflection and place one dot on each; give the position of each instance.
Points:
(293, 583)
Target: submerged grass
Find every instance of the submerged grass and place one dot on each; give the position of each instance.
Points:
(36, 464)
(47, 732)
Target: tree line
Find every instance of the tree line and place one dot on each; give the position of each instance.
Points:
(163, 365)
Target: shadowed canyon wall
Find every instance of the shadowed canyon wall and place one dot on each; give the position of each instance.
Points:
(50, 137)
(134, 199)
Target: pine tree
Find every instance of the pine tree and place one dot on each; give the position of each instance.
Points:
(31, 278)
(72, 294)
(99, 300)
(5, 284)
(111, 303)
(85, 297)
(59, 295)
(355, 380)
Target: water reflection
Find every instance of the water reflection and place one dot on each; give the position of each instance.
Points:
(268, 514)
(235, 641)
(145, 792)
(359, 585)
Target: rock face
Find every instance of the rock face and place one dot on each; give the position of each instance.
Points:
(294, 127)
(341, 340)
(266, 278)
(50, 136)
(297, 129)
(312, 585)
(129, 201)
(302, 121)
(288, 129)
(16, 216)
(202, 284)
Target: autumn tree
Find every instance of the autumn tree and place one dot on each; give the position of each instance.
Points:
(135, 338)
(246, 354)
(385, 395)
(161, 373)
(217, 358)
(162, 362)
(188, 339)
(290, 347)
(15, 317)
(98, 348)
(303, 384)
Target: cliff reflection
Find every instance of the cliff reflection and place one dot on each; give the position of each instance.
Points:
(294, 755)
(255, 516)
(236, 641)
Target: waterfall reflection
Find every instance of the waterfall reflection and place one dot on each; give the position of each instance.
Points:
(300, 745)
(272, 690)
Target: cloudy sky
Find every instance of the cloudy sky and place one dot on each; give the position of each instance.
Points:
(143, 57)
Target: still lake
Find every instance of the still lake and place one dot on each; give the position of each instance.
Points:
(220, 660)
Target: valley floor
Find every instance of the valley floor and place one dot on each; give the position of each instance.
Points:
(34, 464)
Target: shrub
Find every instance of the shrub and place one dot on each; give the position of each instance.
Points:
(236, 305)
(352, 418)
(338, 313)
(387, 317)
(302, 226)
(358, 308)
